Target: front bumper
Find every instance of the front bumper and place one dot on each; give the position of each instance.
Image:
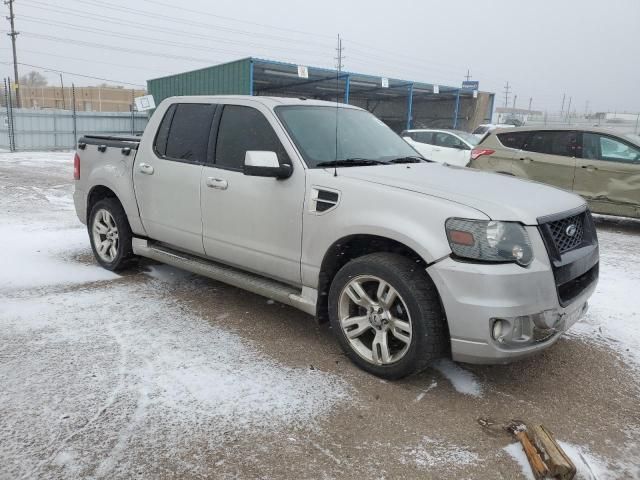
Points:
(474, 295)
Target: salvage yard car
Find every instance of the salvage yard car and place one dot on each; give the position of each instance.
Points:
(452, 147)
(409, 260)
(600, 165)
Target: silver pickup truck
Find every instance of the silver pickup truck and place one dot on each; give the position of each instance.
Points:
(323, 207)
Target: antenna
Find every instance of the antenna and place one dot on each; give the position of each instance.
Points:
(339, 66)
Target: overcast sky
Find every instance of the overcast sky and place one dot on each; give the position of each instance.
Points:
(588, 49)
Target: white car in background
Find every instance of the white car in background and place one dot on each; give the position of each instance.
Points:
(452, 147)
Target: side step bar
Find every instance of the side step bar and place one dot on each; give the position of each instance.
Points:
(247, 281)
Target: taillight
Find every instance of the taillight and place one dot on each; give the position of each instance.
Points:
(76, 167)
(478, 152)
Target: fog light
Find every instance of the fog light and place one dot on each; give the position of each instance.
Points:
(497, 331)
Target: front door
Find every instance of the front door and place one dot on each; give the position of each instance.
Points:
(450, 149)
(167, 177)
(254, 223)
(608, 175)
(549, 157)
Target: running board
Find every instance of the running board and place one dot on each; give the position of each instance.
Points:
(247, 281)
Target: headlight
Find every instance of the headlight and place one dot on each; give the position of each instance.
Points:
(489, 241)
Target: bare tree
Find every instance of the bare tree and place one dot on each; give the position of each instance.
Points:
(33, 79)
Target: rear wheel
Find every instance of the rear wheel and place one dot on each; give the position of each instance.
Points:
(387, 315)
(110, 234)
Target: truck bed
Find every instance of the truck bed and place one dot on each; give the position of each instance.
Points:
(118, 141)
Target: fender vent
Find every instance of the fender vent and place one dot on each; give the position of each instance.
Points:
(323, 200)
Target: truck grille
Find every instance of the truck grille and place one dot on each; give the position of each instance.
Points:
(572, 244)
(567, 233)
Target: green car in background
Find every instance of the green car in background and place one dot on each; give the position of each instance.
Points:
(600, 165)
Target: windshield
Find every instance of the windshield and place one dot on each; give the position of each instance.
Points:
(360, 135)
(469, 138)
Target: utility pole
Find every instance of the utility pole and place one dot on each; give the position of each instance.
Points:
(562, 107)
(64, 106)
(569, 109)
(515, 97)
(13, 34)
(507, 89)
(586, 108)
(468, 75)
(340, 57)
(530, 102)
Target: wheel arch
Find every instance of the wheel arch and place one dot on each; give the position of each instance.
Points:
(346, 249)
(97, 193)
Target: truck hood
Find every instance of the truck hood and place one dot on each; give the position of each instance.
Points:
(500, 197)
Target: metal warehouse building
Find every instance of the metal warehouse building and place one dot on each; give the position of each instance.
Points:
(400, 104)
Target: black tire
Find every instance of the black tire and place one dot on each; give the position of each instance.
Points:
(124, 257)
(430, 335)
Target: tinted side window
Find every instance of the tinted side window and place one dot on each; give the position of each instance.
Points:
(423, 137)
(564, 143)
(160, 144)
(243, 129)
(513, 139)
(539, 142)
(189, 133)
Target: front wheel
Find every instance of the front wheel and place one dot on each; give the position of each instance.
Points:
(110, 234)
(386, 313)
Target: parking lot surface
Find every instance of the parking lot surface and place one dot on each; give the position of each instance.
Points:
(158, 373)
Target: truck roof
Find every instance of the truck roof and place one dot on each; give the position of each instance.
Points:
(266, 101)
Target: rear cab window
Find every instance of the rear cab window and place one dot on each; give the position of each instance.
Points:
(184, 132)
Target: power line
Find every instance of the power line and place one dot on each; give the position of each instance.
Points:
(191, 23)
(82, 75)
(155, 28)
(200, 12)
(73, 41)
(126, 36)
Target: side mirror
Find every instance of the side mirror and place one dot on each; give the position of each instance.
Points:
(265, 164)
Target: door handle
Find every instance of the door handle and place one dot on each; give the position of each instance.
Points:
(217, 183)
(145, 168)
(589, 168)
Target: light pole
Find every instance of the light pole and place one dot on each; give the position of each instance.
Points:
(64, 104)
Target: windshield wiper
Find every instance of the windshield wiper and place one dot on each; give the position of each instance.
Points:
(351, 162)
(409, 159)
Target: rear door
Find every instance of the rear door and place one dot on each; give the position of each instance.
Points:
(167, 176)
(254, 223)
(421, 141)
(548, 156)
(608, 174)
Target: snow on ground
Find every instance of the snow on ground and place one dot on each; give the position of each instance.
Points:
(613, 318)
(97, 372)
(462, 380)
(433, 454)
(138, 372)
(39, 255)
(588, 465)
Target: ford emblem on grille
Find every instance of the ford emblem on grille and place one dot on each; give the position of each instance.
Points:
(571, 230)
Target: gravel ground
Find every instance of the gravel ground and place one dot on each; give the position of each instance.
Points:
(158, 373)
